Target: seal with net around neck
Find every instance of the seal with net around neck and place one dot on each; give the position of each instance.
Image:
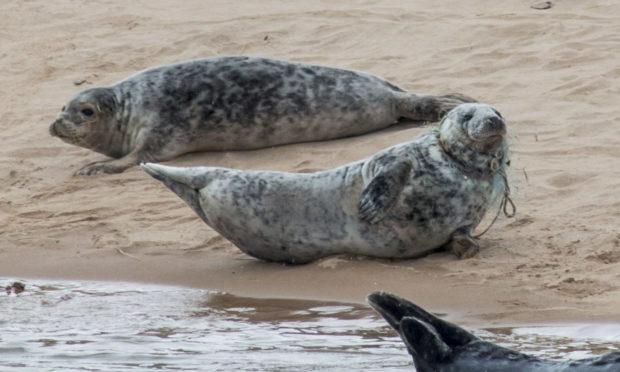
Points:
(403, 202)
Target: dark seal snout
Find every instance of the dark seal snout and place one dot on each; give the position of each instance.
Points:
(496, 126)
(487, 126)
(53, 130)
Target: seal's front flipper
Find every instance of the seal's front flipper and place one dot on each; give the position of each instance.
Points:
(110, 166)
(134, 157)
(463, 246)
(383, 191)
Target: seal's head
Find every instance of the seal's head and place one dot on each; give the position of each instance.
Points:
(474, 135)
(88, 119)
(478, 126)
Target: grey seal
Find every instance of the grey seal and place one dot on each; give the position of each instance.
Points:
(233, 103)
(437, 345)
(402, 202)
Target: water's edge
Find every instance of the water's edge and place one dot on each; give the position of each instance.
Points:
(109, 326)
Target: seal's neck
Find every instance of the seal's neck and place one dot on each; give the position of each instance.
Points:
(120, 135)
(472, 163)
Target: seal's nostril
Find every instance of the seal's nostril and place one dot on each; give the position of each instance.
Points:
(55, 126)
(495, 123)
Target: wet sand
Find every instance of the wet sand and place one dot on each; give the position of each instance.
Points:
(552, 73)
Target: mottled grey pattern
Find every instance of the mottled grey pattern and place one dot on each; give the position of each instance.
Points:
(402, 202)
(233, 103)
(440, 346)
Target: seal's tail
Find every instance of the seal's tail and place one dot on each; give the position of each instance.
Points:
(185, 182)
(430, 340)
(428, 107)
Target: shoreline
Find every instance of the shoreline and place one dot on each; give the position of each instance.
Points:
(247, 277)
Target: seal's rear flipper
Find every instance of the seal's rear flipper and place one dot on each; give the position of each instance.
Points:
(394, 309)
(423, 343)
(428, 107)
(430, 340)
(185, 182)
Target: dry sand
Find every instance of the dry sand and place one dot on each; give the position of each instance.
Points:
(554, 74)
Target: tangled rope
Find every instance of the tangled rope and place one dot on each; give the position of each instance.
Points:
(503, 206)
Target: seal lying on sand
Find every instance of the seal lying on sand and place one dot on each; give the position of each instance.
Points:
(439, 346)
(402, 202)
(233, 103)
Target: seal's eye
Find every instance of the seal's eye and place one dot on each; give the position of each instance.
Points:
(498, 114)
(87, 112)
(467, 117)
(63, 108)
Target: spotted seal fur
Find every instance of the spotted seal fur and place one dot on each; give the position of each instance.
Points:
(402, 202)
(233, 103)
(440, 346)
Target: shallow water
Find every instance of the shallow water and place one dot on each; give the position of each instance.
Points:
(109, 326)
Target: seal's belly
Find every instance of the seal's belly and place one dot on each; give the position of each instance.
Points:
(286, 125)
(283, 216)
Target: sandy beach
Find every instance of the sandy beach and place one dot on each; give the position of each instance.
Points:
(554, 74)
